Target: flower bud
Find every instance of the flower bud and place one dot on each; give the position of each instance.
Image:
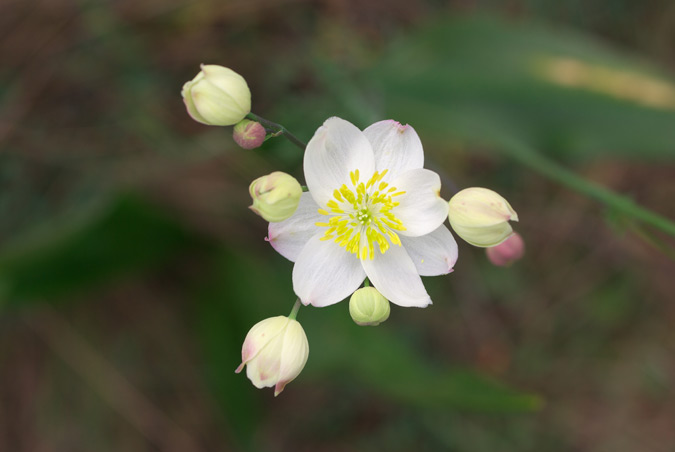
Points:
(507, 252)
(275, 196)
(249, 134)
(217, 96)
(368, 307)
(481, 216)
(275, 352)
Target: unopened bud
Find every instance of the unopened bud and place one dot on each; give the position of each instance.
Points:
(274, 352)
(275, 196)
(368, 307)
(249, 134)
(217, 96)
(481, 216)
(507, 252)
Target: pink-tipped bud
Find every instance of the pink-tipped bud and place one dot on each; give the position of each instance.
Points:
(274, 353)
(249, 134)
(507, 252)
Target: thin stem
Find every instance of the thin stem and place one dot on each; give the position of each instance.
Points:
(294, 311)
(278, 128)
(549, 168)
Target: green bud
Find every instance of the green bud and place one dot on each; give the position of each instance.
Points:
(368, 307)
(481, 216)
(217, 96)
(275, 196)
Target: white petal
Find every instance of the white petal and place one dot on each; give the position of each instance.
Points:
(214, 105)
(259, 336)
(395, 276)
(288, 237)
(336, 148)
(396, 147)
(421, 208)
(325, 273)
(263, 370)
(293, 356)
(433, 254)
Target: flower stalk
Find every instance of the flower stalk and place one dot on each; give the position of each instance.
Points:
(530, 158)
(294, 311)
(278, 129)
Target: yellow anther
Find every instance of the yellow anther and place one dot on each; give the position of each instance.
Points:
(372, 180)
(355, 214)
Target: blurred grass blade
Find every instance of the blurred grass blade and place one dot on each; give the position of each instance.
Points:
(554, 89)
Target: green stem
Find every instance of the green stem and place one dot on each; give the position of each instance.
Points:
(549, 168)
(366, 283)
(278, 128)
(294, 311)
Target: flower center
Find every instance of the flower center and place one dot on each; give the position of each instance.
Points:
(361, 216)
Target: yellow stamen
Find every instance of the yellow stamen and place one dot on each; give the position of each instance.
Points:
(356, 214)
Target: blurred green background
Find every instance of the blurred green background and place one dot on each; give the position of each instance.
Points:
(131, 269)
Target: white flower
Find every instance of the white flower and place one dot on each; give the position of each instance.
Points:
(371, 210)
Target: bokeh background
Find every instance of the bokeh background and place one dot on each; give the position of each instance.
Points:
(131, 269)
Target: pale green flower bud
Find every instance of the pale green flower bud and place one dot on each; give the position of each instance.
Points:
(481, 216)
(368, 307)
(217, 96)
(249, 134)
(274, 352)
(275, 196)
